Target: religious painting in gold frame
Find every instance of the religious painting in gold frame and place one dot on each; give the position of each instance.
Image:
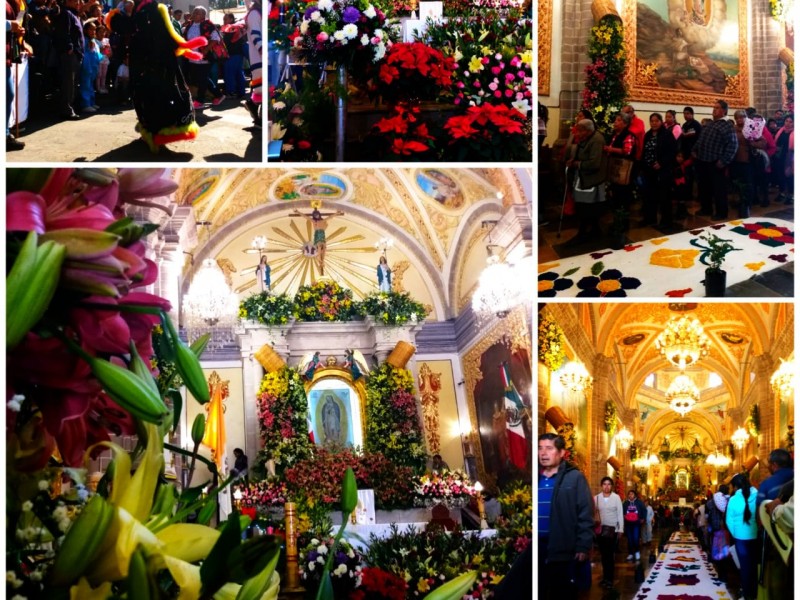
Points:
(687, 52)
(336, 407)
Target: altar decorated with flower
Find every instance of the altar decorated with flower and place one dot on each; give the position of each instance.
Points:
(400, 81)
(267, 384)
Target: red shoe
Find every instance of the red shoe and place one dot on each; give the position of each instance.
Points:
(197, 105)
(218, 101)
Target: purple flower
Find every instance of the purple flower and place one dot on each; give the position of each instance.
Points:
(350, 14)
(309, 11)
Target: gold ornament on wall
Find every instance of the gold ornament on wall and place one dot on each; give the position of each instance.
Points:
(430, 384)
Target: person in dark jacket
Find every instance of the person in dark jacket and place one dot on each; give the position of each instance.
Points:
(565, 527)
(591, 166)
(634, 513)
(658, 159)
(69, 42)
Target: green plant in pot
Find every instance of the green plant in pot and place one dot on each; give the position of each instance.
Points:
(713, 257)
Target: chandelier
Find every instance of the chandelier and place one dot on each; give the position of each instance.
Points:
(575, 377)
(624, 438)
(384, 244)
(739, 438)
(682, 395)
(499, 289)
(257, 246)
(210, 304)
(718, 460)
(782, 380)
(683, 342)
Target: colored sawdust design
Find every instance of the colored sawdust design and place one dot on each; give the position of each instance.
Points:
(674, 259)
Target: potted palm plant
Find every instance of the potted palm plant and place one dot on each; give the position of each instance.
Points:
(713, 257)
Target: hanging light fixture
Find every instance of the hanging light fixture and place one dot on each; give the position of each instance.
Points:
(718, 460)
(210, 305)
(499, 289)
(653, 460)
(683, 342)
(575, 378)
(682, 395)
(739, 438)
(257, 246)
(384, 244)
(624, 438)
(782, 380)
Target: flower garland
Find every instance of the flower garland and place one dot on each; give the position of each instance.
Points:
(267, 309)
(753, 422)
(551, 343)
(567, 431)
(604, 91)
(282, 407)
(790, 87)
(393, 308)
(324, 301)
(393, 425)
(610, 417)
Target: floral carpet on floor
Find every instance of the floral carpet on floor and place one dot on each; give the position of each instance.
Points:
(682, 572)
(672, 266)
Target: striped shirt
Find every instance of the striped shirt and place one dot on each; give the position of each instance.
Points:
(546, 488)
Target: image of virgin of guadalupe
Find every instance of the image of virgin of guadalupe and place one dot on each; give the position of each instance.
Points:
(384, 276)
(331, 420)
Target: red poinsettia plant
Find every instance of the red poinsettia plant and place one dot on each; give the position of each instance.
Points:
(413, 71)
(488, 131)
(373, 583)
(403, 134)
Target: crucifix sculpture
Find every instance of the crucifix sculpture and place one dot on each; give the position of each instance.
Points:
(319, 224)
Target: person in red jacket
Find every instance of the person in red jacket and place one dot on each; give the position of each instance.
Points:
(636, 128)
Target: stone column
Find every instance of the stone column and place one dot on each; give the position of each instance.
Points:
(766, 72)
(575, 28)
(599, 443)
(767, 402)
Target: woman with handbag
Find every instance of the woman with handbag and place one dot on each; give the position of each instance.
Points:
(741, 517)
(621, 156)
(634, 516)
(608, 527)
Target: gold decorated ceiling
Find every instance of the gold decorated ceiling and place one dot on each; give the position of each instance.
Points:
(433, 215)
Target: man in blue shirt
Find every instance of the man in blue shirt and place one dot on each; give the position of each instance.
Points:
(565, 521)
(780, 465)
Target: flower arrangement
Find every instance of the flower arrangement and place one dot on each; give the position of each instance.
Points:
(267, 309)
(319, 477)
(413, 71)
(403, 7)
(263, 494)
(452, 488)
(282, 407)
(790, 87)
(393, 425)
(426, 559)
(344, 569)
(497, 79)
(754, 421)
(353, 33)
(604, 90)
(488, 132)
(610, 417)
(279, 23)
(567, 431)
(373, 583)
(551, 343)
(516, 519)
(780, 10)
(301, 120)
(79, 336)
(324, 300)
(393, 308)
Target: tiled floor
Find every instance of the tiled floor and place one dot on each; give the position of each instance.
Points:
(552, 245)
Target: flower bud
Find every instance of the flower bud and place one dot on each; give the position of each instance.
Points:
(198, 428)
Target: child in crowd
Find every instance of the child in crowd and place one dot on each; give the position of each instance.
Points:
(682, 190)
(105, 50)
(123, 82)
(89, 66)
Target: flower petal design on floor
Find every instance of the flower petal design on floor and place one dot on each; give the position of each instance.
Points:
(610, 283)
(675, 259)
(767, 233)
(551, 283)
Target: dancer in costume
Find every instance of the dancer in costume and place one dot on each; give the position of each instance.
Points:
(253, 20)
(160, 96)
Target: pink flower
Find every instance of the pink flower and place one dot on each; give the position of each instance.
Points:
(509, 93)
(493, 86)
(498, 94)
(322, 36)
(496, 70)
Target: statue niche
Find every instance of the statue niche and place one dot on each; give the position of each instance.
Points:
(336, 407)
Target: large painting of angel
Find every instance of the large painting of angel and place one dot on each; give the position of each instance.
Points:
(687, 51)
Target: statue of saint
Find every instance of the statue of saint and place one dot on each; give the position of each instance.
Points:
(263, 274)
(319, 224)
(384, 276)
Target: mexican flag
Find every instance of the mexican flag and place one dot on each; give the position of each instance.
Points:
(517, 447)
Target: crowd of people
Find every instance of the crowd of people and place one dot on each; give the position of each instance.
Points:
(572, 522)
(81, 50)
(670, 165)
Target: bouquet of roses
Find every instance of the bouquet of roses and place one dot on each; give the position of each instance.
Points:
(343, 32)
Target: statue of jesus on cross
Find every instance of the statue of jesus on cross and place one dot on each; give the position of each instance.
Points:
(319, 224)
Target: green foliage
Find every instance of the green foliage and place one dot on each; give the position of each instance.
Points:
(716, 251)
(301, 120)
(393, 308)
(267, 309)
(393, 427)
(610, 418)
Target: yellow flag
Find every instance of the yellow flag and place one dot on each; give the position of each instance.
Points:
(214, 437)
